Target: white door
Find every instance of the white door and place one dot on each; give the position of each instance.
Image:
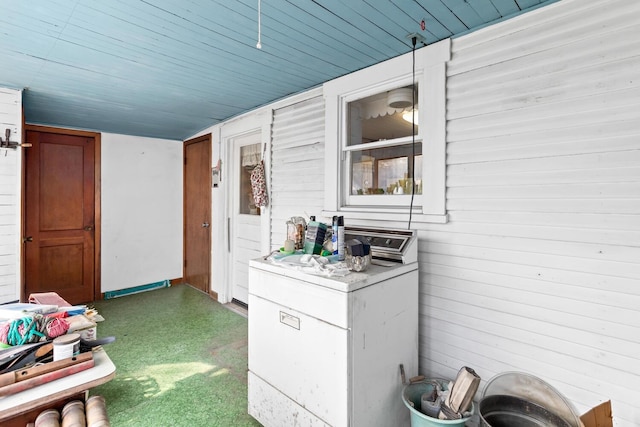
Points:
(244, 216)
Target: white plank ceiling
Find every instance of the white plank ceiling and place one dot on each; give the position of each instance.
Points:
(168, 68)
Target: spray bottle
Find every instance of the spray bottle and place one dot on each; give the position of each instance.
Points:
(341, 238)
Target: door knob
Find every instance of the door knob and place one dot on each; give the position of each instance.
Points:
(88, 228)
(27, 239)
(205, 224)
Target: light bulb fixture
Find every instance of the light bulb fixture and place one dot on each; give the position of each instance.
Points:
(409, 115)
(400, 98)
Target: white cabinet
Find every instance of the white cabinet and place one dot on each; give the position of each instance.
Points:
(326, 351)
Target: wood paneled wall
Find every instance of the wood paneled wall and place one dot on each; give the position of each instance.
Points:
(297, 165)
(539, 266)
(10, 167)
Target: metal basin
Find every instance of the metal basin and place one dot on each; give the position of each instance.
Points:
(509, 411)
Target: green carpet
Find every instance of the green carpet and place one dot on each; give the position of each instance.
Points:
(181, 360)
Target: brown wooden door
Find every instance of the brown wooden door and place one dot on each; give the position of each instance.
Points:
(60, 214)
(197, 212)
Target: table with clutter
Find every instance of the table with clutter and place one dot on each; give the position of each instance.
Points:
(49, 360)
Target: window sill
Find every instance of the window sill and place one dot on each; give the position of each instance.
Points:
(388, 215)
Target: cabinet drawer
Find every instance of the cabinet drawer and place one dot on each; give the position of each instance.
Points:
(304, 358)
(311, 299)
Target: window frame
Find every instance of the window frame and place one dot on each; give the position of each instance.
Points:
(430, 75)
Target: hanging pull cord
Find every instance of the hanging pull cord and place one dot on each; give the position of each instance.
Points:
(413, 124)
(259, 44)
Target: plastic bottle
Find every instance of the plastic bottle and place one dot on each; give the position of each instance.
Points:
(341, 238)
(314, 236)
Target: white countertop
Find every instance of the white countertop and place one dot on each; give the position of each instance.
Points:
(348, 283)
(102, 371)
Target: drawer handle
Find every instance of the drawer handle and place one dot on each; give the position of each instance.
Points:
(290, 320)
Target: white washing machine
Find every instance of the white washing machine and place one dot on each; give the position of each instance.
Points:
(326, 351)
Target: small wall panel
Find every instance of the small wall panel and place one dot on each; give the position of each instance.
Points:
(10, 161)
(297, 165)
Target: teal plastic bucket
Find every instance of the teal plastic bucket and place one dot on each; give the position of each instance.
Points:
(412, 396)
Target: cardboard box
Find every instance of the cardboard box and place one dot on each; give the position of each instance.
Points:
(81, 324)
(599, 416)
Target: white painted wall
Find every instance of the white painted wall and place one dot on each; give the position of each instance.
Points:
(141, 211)
(141, 207)
(538, 268)
(220, 255)
(297, 163)
(10, 167)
